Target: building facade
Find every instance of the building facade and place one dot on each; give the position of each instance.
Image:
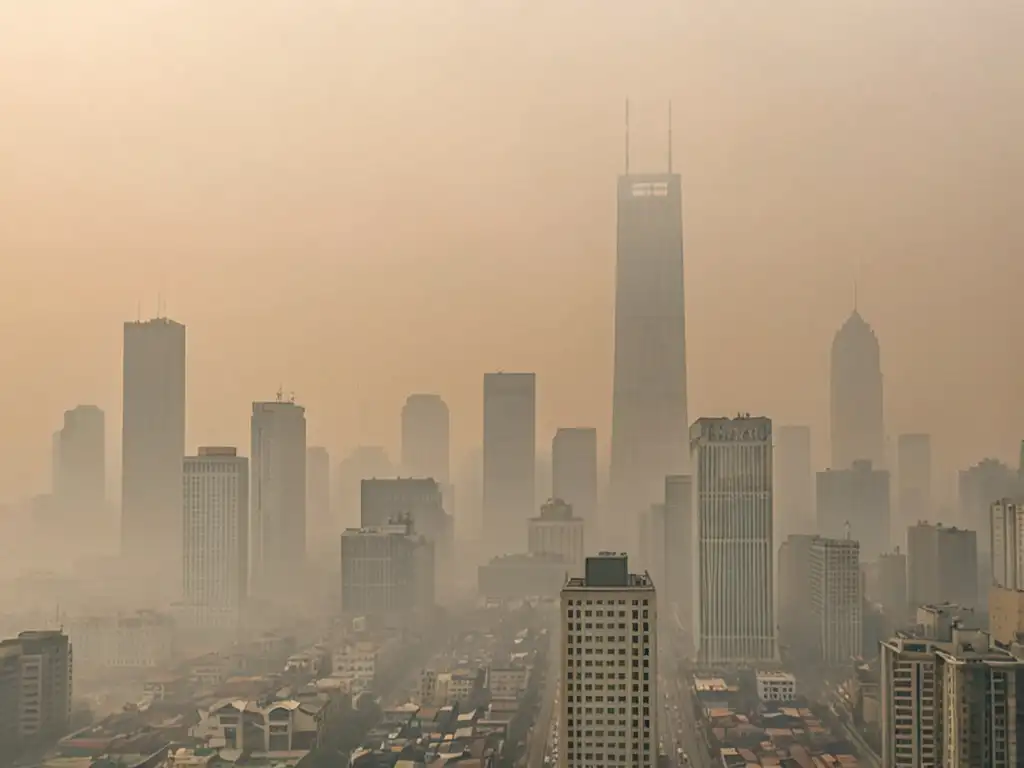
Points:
(1007, 544)
(836, 599)
(387, 572)
(733, 480)
(681, 564)
(557, 531)
(216, 533)
(797, 621)
(152, 447)
(277, 496)
(649, 408)
(44, 704)
(609, 650)
(950, 700)
(80, 467)
(574, 473)
(510, 461)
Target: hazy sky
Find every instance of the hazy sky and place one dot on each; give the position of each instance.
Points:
(361, 200)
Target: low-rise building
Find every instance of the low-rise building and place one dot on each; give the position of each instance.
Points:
(776, 686)
(143, 640)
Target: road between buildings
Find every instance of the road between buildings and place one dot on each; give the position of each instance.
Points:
(545, 716)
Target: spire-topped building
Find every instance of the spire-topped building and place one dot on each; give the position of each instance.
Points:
(649, 419)
(857, 422)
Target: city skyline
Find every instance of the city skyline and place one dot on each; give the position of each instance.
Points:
(777, 220)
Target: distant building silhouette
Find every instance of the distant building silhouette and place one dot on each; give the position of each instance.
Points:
(914, 478)
(857, 497)
(942, 566)
(574, 474)
(278, 495)
(426, 438)
(794, 482)
(365, 462)
(857, 421)
(80, 478)
(510, 450)
(322, 532)
(152, 449)
(649, 416)
(978, 487)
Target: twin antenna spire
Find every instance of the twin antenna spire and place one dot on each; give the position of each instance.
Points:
(669, 137)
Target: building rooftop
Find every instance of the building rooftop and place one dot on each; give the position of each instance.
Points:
(609, 570)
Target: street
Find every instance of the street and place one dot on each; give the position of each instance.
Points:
(683, 745)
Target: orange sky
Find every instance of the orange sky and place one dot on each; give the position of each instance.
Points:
(360, 200)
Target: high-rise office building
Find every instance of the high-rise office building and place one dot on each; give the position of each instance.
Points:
(949, 697)
(978, 488)
(836, 599)
(216, 546)
(680, 560)
(855, 501)
(510, 459)
(625, 643)
(942, 565)
(10, 700)
(426, 441)
(914, 479)
(152, 449)
(649, 416)
(558, 531)
(321, 530)
(277, 495)
(733, 474)
(80, 477)
(857, 420)
(892, 588)
(794, 482)
(387, 571)
(574, 474)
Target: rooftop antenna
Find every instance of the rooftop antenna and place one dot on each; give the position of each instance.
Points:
(280, 394)
(846, 528)
(670, 136)
(627, 137)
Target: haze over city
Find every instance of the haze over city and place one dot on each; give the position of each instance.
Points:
(355, 202)
(390, 383)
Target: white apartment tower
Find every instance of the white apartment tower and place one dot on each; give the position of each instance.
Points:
(732, 460)
(278, 494)
(836, 599)
(609, 668)
(216, 540)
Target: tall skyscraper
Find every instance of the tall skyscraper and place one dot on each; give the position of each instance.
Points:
(914, 483)
(80, 470)
(610, 592)
(278, 495)
(798, 626)
(855, 501)
(733, 473)
(649, 418)
(426, 441)
(857, 421)
(321, 531)
(794, 482)
(216, 547)
(836, 599)
(510, 463)
(152, 450)
(574, 474)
